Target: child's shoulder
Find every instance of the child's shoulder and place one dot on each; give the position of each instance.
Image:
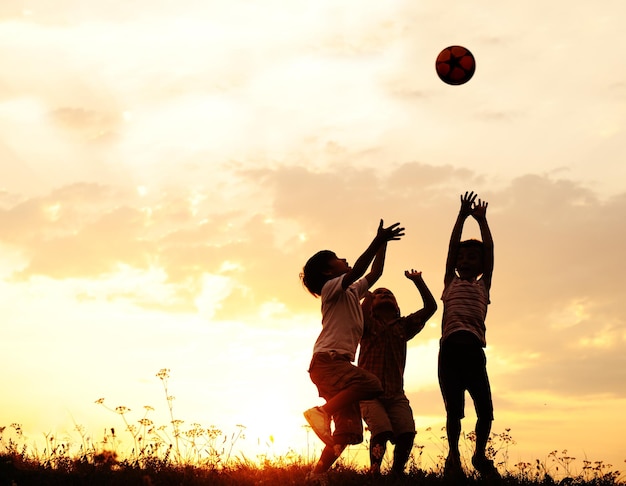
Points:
(332, 285)
(457, 284)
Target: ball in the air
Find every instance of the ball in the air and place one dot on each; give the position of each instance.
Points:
(455, 65)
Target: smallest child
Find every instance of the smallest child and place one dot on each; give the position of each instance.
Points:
(342, 384)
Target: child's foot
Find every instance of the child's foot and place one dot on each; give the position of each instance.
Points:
(320, 423)
(318, 479)
(398, 476)
(452, 471)
(485, 467)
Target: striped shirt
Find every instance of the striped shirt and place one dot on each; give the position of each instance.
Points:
(465, 308)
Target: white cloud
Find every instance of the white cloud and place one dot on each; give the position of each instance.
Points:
(215, 288)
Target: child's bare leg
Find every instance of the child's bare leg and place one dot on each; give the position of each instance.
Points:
(484, 466)
(483, 429)
(402, 451)
(453, 429)
(351, 395)
(378, 446)
(329, 455)
(453, 470)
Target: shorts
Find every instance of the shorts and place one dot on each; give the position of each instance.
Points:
(332, 372)
(388, 414)
(463, 366)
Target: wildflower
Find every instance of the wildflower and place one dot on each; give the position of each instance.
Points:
(163, 374)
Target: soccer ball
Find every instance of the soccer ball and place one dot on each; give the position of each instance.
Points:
(455, 65)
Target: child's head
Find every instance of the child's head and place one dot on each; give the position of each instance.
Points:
(470, 258)
(320, 268)
(382, 299)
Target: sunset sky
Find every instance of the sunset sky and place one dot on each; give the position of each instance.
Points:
(167, 167)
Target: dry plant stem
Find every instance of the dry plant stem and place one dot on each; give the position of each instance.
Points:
(164, 375)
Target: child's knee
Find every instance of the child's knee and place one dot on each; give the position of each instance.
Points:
(375, 387)
(405, 438)
(338, 449)
(485, 413)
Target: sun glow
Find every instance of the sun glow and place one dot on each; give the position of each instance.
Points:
(166, 168)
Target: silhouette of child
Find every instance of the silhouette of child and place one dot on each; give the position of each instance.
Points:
(383, 352)
(462, 361)
(341, 383)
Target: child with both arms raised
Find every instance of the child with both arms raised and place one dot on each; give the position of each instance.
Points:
(342, 384)
(462, 361)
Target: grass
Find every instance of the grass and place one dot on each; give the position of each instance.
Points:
(196, 455)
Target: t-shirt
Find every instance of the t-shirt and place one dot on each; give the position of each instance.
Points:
(342, 317)
(465, 308)
(384, 347)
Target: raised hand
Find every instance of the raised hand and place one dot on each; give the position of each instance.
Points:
(467, 203)
(393, 232)
(413, 274)
(480, 210)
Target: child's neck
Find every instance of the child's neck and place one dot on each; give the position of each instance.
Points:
(385, 314)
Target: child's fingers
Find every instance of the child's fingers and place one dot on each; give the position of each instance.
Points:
(412, 273)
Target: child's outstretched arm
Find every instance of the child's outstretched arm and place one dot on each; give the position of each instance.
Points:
(383, 235)
(430, 304)
(480, 215)
(467, 201)
(366, 303)
(377, 266)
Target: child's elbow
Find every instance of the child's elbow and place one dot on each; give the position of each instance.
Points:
(431, 309)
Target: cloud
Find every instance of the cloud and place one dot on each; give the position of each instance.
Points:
(554, 233)
(554, 294)
(88, 124)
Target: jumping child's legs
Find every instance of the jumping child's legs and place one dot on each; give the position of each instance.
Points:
(359, 385)
(453, 430)
(480, 392)
(343, 385)
(452, 388)
(378, 446)
(348, 430)
(452, 384)
(328, 457)
(402, 452)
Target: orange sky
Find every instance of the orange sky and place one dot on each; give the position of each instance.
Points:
(168, 167)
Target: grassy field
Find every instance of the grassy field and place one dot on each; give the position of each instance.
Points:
(15, 470)
(204, 457)
(188, 456)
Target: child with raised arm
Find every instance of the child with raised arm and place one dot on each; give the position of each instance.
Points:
(462, 361)
(383, 352)
(339, 382)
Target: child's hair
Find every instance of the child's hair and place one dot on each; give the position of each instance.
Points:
(312, 275)
(473, 243)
